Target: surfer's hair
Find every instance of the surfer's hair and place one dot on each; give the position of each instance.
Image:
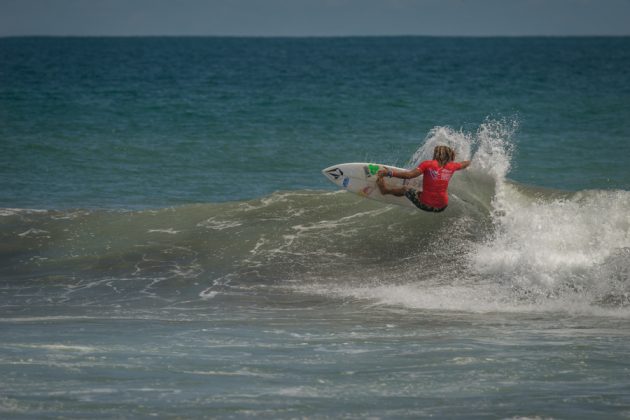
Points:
(443, 155)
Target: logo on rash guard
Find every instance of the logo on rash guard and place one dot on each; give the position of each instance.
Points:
(440, 175)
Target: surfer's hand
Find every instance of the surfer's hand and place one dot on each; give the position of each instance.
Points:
(385, 172)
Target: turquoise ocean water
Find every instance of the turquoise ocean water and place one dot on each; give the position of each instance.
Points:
(169, 247)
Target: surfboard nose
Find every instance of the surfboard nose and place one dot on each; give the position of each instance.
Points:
(333, 173)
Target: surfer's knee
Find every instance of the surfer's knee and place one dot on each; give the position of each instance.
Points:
(380, 182)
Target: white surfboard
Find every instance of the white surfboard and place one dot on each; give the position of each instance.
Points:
(360, 178)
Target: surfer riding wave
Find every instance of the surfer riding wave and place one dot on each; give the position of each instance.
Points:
(436, 175)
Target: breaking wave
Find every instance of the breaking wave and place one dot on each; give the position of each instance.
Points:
(500, 246)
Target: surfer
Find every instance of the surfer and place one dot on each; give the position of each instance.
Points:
(436, 175)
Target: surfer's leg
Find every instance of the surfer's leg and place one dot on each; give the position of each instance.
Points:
(414, 197)
(398, 192)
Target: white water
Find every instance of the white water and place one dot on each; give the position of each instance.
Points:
(545, 253)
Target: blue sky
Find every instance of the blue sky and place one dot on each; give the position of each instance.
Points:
(315, 17)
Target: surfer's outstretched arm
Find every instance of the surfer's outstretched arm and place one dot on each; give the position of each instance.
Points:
(465, 164)
(404, 174)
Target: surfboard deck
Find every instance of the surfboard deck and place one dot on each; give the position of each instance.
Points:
(360, 178)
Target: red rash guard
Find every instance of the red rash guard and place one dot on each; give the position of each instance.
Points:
(435, 182)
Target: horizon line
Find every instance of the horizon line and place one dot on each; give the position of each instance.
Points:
(319, 36)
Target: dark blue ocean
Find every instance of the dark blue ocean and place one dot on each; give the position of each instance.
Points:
(169, 247)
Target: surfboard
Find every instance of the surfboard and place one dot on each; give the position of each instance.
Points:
(360, 178)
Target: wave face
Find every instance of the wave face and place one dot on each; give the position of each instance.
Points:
(500, 246)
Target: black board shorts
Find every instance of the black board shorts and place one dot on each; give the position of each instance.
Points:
(412, 195)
